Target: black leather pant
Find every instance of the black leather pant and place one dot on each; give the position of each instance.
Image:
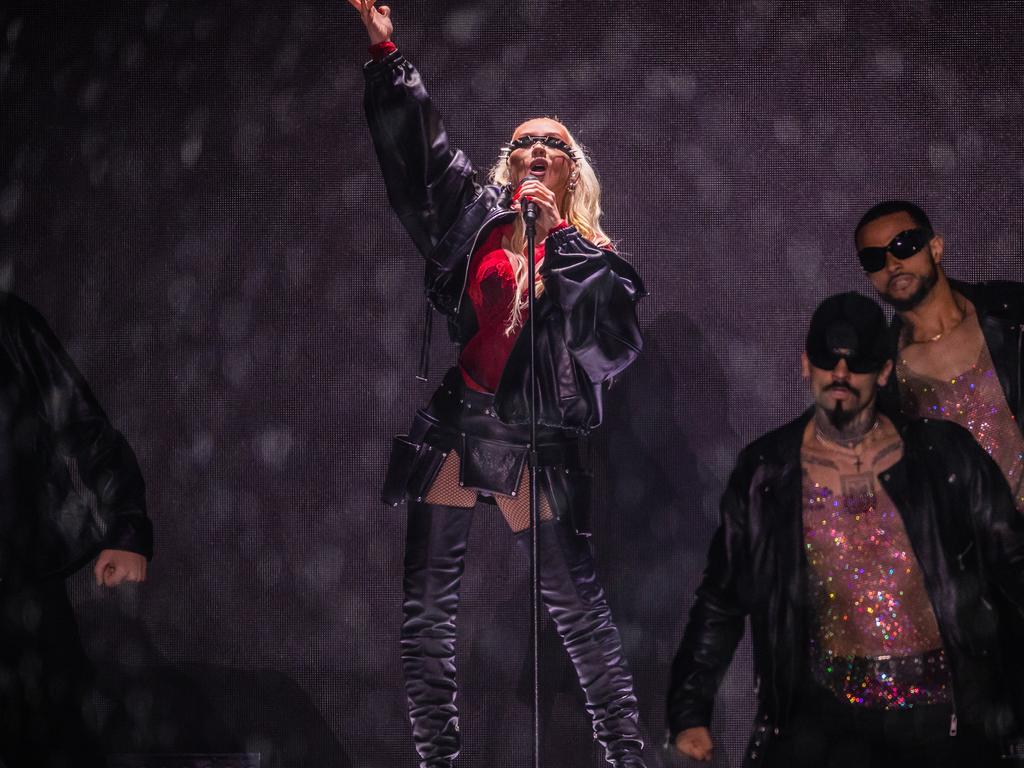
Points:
(434, 558)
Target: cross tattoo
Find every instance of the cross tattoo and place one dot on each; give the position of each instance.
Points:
(857, 462)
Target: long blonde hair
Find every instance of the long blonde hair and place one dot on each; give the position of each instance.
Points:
(581, 207)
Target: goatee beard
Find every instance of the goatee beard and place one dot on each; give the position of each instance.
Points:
(839, 417)
(913, 300)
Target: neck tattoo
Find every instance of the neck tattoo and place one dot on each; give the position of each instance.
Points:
(850, 442)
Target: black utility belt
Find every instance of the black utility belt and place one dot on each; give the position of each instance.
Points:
(487, 463)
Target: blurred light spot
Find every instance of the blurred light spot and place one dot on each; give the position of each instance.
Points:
(942, 156)
(321, 570)
(235, 366)
(91, 94)
(10, 200)
(275, 445)
(969, 144)
(804, 256)
(679, 86)
(14, 30)
(201, 450)
(281, 106)
(786, 130)
(889, 63)
(465, 25)
(191, 148)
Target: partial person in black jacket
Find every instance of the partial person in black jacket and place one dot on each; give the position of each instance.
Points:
(470, 442)
(959, 352)
(868, 552)
(57, 449)
(957, 346)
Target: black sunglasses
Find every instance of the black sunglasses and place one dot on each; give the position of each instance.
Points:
(524, 142)
(903, 246)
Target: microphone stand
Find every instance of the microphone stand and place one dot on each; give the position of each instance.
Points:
(530, 220)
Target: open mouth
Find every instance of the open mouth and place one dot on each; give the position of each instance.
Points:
(538, 167)
(900, 281)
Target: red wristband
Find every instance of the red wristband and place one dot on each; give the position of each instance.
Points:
(379, 50)
(560, 225)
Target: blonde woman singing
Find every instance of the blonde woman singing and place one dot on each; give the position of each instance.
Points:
(470, 443)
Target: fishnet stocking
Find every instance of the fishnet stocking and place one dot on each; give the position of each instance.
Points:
(446, 490)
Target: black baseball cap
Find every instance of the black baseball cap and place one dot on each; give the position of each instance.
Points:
(851, 326)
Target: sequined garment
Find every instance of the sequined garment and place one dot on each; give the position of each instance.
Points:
(974, 400)
(875, 640)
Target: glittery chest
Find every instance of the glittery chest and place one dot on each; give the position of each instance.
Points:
(975, 400)
(875, 640)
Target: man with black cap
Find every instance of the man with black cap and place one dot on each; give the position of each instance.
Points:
(866, 551)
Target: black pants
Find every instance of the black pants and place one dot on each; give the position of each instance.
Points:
(45, 681)
(829, 733)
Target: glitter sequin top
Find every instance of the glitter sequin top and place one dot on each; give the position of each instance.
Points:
(875, 640)
(975, 400)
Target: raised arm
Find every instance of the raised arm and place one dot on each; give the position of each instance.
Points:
(80, 430)
(428, 182)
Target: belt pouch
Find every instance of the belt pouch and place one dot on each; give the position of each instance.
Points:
(401, 463)
(491, 465)
(569, 491)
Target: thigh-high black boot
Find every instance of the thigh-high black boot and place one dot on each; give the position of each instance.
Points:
(577, 605)
(435, 551)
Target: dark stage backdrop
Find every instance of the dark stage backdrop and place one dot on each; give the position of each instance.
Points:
(189, 195)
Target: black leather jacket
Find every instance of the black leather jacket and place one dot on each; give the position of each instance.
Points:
(1000, 308)
(53, 433)
(586, 324)
(966, 535)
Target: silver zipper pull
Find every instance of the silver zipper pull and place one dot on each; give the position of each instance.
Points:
(952, 724)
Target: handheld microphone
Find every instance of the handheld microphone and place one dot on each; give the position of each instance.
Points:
(530, 212)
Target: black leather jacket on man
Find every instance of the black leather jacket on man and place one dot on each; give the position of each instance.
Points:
(57, 449)
(966, 535)
(586, 324)
(1000, 308)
